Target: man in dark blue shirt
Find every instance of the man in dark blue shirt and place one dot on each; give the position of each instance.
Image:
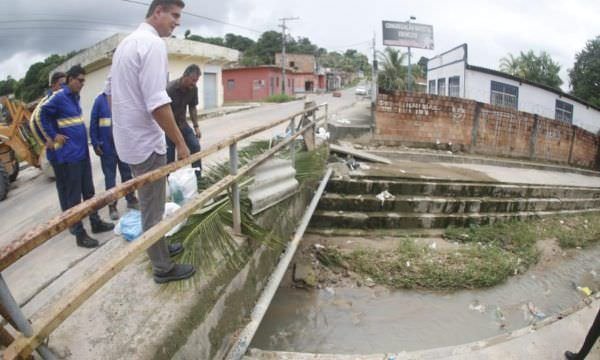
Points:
(62, 121)
(104, 147)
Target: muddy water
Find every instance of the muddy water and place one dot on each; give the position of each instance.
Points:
(374, 320)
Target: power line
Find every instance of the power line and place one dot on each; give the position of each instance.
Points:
(203, 17)
(79, 21)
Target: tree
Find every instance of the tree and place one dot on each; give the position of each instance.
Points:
(238, 42)
(8, 86)
(36, 79)
(392, 75)
(585, 74)
(537, 68)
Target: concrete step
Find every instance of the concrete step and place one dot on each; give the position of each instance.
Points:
(449, 205)
(459, 189)
(395, 220)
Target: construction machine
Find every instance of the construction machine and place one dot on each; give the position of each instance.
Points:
(17, 142)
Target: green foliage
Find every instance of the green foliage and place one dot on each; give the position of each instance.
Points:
(279, 98)
(585, 74)
(572, 231)
(35, 82)
(8, 86)
(538, 68)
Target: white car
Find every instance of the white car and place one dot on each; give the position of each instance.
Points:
(360, 91)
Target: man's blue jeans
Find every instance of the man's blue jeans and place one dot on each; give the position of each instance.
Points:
(192, 143)
(110, 163)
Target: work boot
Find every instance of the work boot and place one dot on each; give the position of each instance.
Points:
(571, 356)
(113, 213)
(178, 272)
(175, 249)
(84, 240)
(101, 226)
(133, 203)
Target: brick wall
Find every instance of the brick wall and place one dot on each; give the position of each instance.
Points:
(426, 120)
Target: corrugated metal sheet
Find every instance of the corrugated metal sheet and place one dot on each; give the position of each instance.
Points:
(274, 181)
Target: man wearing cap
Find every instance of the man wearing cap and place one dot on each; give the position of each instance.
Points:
(61, 119)
(104, 147)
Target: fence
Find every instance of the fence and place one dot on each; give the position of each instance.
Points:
(31, 335)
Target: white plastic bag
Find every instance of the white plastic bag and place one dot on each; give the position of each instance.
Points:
(183, 185)
(171, 208)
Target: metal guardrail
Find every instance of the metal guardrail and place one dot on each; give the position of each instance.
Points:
(52, 315)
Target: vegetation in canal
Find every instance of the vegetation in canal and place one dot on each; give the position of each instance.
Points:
(482, 256)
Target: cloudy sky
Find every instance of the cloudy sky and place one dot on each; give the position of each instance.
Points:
(33, 29)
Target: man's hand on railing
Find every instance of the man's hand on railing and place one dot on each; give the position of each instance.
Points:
(182, 151)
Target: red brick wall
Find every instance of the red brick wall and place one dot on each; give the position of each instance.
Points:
(425, 120)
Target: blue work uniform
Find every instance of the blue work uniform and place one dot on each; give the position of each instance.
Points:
(35, 125)
(102, 138)
(61, 114)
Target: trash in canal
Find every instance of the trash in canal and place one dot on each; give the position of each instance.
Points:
(535, 311)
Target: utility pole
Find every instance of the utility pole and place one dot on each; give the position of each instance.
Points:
(283, 29)
(409, 73)
(374, 75)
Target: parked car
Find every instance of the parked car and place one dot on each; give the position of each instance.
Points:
(360, 91)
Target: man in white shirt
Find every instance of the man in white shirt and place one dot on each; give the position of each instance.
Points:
(141, 115)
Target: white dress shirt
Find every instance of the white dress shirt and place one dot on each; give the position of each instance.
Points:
(137, 83)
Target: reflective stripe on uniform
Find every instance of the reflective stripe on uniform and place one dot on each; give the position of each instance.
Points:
(62, 123)
(104, 122)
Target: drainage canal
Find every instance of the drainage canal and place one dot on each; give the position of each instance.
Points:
(355, 314)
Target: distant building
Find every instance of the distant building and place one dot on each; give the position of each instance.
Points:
(256, 83)
(210, 58)
(305, 71)
(450, 74)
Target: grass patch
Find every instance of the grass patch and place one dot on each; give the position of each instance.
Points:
(486, 255)
(279, 98)
(572, 231)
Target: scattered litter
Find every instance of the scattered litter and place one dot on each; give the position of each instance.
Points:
(351, 163)
(330, 290)
(535, 311)
(319, 247)
(408, 264)
(561, 222)
(476, 306)
(385, 195)
(364, 166)
(170, 209)
(130, 225)
(369, 282)
(323, 134)
(402, 171)
(343, 121)
(585, 290)
(594, 274)
(499, 314)
(433, 245)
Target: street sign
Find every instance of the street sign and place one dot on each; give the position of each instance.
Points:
(408, 34)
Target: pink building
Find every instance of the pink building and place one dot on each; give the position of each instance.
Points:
(255, 83)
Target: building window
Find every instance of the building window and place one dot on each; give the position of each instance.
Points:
(564, 111)
(454, 86)
(441, 88)
(292, 64)
(230, 84)
(432, 87)
(277, 82)
(504, 95)
(258, 84)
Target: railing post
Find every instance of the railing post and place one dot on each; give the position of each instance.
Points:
(293, 143)
(235, 191)
(23, 325)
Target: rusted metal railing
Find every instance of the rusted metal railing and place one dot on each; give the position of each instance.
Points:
(51, 316)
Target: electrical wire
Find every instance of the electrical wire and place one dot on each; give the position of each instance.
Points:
(203, 17)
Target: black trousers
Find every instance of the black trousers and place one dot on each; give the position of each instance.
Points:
(73, 182)
(591, 338)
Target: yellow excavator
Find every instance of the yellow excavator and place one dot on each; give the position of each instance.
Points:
(17, 142)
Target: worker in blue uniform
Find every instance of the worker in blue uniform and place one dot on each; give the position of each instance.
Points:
(62, 121)
(104, 147)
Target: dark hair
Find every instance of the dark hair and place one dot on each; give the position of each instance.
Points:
(163, 3)
(57, 76)
(75, 71)
(192, 70)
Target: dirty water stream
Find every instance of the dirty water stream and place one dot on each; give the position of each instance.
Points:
(364, 320)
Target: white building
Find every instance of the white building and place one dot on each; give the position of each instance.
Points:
(449, 74)
(210, 58)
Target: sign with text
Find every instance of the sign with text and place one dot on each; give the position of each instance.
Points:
(408, 34)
